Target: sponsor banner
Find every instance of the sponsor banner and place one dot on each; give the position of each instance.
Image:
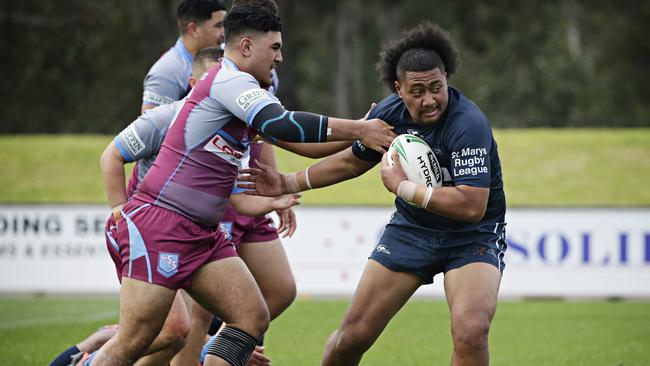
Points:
(552, 252)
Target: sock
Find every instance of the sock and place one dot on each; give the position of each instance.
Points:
(64, 358)
(215, 325)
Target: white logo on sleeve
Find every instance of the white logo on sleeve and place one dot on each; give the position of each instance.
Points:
(249, 97)
(133, 140)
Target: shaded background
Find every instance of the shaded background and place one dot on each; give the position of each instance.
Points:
(77, 66)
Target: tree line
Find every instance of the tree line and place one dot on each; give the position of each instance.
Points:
(77, 66)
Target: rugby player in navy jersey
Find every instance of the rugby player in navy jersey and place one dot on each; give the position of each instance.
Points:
(456, 229)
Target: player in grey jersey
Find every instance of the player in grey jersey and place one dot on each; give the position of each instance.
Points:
(200, 24)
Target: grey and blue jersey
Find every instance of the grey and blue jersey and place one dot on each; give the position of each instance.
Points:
(466, 150)
(140, 141)
(168, 79)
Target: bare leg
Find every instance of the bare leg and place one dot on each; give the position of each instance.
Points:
(199, 325)
(471, 293)
(269, 265)
(172, 336)
(140, 303)
(227, 288)
(379, 296)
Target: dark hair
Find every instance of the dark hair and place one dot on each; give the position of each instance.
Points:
(196, 11)
(424, 47)
(247, 18)
(206, 55)
(269, 4)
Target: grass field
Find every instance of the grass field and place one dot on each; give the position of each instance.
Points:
(34, 330)
(541, 167)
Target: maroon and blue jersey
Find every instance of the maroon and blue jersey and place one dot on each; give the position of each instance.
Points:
(197, 165)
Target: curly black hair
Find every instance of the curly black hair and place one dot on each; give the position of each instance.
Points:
(425, 38)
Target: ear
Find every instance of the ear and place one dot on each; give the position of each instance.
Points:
(398, 88)
(246, 46)
(193, 29)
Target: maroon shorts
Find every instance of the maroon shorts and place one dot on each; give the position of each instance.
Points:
(110, 231)
(165, 248)
(247, 229)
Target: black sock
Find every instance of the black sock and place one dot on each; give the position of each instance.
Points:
(64, 358)
(215, 325)
(260, 342)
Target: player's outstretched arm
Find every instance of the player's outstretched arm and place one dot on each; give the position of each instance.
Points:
(314, 150)
(258, 206)
(463, 203)
(112, 167)
(266, 181)
(276, 123)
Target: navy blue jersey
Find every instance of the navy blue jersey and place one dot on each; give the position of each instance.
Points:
(464, 145)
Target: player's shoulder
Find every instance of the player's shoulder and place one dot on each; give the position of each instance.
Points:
(170, 63)
(464, 113)
(389, 109)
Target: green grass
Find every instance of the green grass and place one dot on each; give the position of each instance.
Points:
(541, 167)
(34, 330)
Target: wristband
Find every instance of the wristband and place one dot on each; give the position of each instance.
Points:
(307, 178)
(291, 181)
(406, 190)
(427, 197)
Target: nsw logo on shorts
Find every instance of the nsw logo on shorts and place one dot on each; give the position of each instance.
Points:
(168, 264)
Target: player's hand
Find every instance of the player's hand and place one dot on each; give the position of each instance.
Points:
(392, 176)
(262, 181)
(288, 223)
(258, 359)
(377, 135)
(117, 212)
(286, 201)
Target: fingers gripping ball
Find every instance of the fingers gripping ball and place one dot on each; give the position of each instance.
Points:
(417, 159)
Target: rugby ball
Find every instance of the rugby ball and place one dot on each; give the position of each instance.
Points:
(417, 159)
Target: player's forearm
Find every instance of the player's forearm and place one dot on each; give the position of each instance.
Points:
(252, 205)
(314, 150)
(112, 167)
(462, 203)
(267, 156)
(335, 169)
(344, 129)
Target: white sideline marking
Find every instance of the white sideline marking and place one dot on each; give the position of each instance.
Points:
(84, 318)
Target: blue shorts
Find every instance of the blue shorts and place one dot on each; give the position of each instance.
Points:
(426, 253)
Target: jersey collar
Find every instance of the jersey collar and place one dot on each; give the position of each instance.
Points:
(180, 47)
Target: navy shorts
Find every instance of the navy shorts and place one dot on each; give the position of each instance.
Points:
(426, 253)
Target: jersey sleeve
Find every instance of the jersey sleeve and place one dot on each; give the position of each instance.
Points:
(242, 96)
(470, 142)
(159, 90)
(143, 137)
(363, 152)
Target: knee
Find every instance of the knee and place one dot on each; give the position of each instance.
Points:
(281, 299)
(470, 330)
(353, 337)
(174, 334)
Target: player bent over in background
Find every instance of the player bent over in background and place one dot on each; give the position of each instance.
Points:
(456, 229)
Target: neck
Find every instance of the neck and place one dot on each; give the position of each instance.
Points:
(190, 44)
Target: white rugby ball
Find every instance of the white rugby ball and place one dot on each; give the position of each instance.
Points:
(417, 159)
